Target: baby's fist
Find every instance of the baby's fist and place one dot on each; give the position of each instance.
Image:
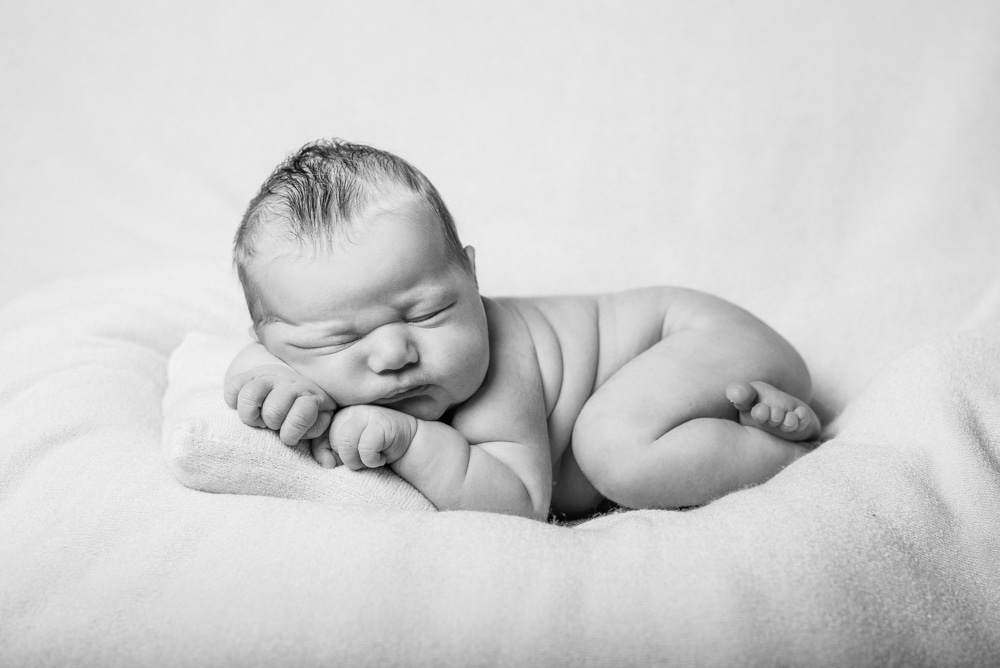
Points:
(371, 436)
(279, 398)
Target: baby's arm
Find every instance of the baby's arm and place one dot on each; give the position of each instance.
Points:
(266, 392)
(498, 476)
(495, 455)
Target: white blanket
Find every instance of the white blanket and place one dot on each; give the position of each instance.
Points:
(878, 548)
(881, 548)
(831, 166)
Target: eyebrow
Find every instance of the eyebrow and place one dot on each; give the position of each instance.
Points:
(437, 294)
(320, 332)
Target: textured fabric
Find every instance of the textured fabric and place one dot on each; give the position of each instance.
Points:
(831, 166)
(878, 548)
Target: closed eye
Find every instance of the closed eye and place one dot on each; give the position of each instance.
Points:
(429, 316)
(334, 346)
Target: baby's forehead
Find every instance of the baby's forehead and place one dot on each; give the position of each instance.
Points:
(284, 238)
(362, 258)
(337, 249)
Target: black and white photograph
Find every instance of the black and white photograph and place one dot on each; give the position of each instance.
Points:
(451, 333)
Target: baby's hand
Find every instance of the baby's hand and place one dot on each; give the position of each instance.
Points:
(280, 398)
(371, 436)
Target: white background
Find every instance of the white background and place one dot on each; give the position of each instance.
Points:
(832, 166)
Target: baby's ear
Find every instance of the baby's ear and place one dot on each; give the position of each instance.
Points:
(470, 253)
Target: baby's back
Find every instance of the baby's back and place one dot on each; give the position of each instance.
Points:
(580, 341)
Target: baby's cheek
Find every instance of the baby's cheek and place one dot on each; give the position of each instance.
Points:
(469, 358)
(324, 372)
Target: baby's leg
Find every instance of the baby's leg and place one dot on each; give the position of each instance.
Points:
(661, 433)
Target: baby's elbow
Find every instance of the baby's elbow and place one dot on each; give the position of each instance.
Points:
(540, 501)
(514, 498)
(540, 515)
(528, 510)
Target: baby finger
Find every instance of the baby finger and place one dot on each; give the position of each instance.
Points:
(371, 445)
(321, 426)
(276, 406)
(231, 390)
(250, 400)
(345, 434)
(300, 418)
(322, 452)
(347, 451)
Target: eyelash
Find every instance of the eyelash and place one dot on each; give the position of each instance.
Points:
(429, 316)
(340, 345)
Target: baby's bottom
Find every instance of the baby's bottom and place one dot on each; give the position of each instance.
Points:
(661, 432)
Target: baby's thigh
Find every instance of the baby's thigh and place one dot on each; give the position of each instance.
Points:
(681, 378)
(663, 421)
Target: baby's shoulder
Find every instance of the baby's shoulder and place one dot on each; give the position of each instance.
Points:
(561, 332)
(548, 319)
(609, 314)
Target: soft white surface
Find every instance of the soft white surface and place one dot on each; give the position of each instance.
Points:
(832, 166)
(880, 548)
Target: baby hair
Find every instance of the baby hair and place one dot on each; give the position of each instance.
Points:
(319, 191)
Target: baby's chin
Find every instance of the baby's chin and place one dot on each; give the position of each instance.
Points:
(421, 407)
(430, 414)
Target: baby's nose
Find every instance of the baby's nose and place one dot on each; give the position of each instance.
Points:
(392, 349)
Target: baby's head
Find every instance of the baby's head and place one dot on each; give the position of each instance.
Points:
(354, 275)
(318, 196)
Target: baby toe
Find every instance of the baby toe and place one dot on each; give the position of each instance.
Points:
(742, 395)
(777, 416)
(761, 413)
(803, 414)
(791, 422)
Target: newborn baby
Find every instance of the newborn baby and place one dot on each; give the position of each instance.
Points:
(372, 341)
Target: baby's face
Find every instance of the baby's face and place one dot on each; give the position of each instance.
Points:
(386, 318)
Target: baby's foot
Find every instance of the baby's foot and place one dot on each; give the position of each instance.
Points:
(766, 407)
